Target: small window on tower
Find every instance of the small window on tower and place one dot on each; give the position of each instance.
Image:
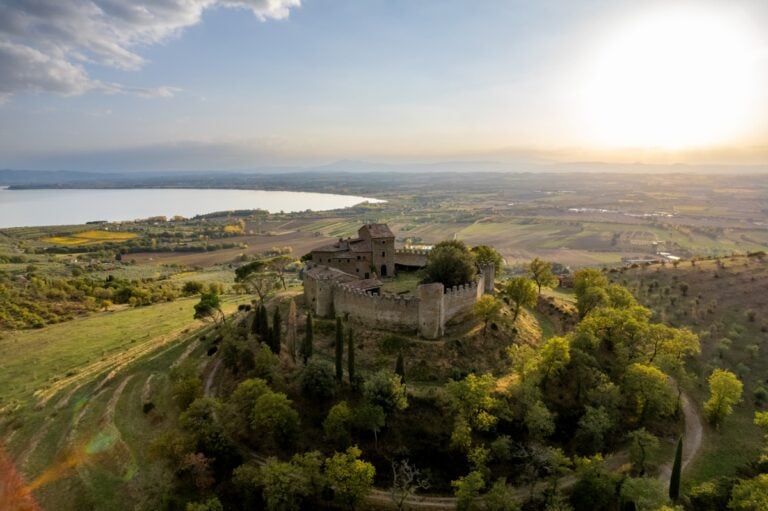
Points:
(383, 254)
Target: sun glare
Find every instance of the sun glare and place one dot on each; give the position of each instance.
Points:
(673, 79)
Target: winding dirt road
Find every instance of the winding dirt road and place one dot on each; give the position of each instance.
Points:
(692, 438)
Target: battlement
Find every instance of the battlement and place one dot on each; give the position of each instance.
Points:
(413, 251)
(464, 289)
(330, 291)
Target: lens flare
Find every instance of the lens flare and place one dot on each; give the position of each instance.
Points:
(15, 495)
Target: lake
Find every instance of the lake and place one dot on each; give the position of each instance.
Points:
(28, 208)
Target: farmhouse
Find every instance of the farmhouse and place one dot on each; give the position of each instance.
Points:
(343, 278)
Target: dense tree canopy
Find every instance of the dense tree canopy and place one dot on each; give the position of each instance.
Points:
(450, 263)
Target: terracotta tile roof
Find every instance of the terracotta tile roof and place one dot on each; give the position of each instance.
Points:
(378, 230)
(364, 284)
(328, 273)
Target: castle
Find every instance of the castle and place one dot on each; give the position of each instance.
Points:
(343, 278)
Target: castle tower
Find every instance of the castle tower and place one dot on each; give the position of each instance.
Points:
(431, 311)
(488, 271)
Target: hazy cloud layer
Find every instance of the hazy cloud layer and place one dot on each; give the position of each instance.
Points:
(44, 44)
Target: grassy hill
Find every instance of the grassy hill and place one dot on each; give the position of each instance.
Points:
(724, 300)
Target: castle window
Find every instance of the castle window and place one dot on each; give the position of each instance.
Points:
(358, 258)
(357, 270)
(383, 254)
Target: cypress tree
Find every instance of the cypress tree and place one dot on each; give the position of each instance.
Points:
(306, 345)
(351, 355)
(263, 324)
(677, 467)
(256, 323)
(400, 367)
(339, 349)
(276, 331)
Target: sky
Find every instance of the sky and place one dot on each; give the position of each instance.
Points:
(244, 84)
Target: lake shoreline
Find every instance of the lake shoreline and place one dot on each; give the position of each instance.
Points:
(52, 207)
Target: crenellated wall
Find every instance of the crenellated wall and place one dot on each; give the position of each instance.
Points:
(460, 299)
(411, 258)
(381, 311)
(426, 312)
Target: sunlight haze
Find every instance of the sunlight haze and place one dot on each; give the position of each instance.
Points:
(208, 84)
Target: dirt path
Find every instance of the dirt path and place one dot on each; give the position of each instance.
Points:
(208, 388)
(692, 438)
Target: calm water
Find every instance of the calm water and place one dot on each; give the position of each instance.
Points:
(25, 208)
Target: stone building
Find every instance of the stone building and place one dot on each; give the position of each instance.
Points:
(338, 280)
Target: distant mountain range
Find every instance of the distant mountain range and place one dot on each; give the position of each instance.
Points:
(106, 178)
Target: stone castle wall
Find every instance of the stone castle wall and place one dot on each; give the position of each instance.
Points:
(460, 299)
(425, 313)
(380, 311)
(411, 258)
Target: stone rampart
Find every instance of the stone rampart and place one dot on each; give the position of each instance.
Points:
(460, 299)
(426, 312)
(411, 258)
(381, 311)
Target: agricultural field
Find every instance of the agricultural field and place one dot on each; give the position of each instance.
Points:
(72, 397)
(91, 238)
(73, 387)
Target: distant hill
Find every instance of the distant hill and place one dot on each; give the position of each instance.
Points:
(45, 177)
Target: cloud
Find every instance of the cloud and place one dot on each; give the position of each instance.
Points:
(46, 44)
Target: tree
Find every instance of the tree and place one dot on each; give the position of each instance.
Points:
(258, 277)
(306, 344)
(192, 287)
(350, 477)
(487, 308)
(467, 490)
(647, 494)
(472, 399)
(279, 264)
(521, 292)
(275, 340)
(369, 417)
(256, 323)
(209, 308)
(351, 355)
(750, 494)
(587, 278)
(186, 385)
(400, 367)
(291, 335)
(642, 445)
(725, 390)
(339, 345)
(593, 426)
(450, 263)
(555, 355)
(677, 467)
(385, 389)
(646, 386)
(541, 273)
(592, 298)
(539, 420)
(761, 420)
(283, 488)
(406, 481)
(264, 325)
(242, 401)
(317, 380)
(274, 417)
(501, 497)
(337, 424)
(212, 504)
(485, 255)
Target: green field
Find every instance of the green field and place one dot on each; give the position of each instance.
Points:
(72, 397)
